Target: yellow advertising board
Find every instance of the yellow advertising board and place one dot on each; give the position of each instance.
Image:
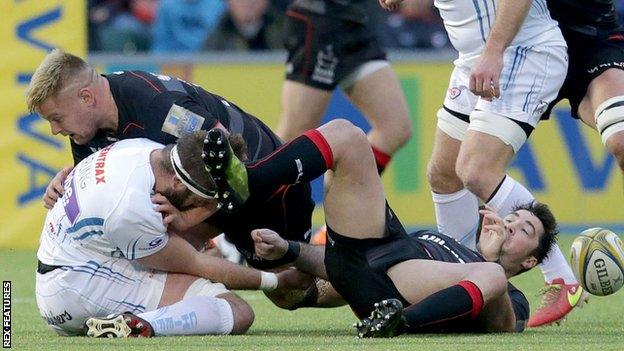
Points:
(30, 155)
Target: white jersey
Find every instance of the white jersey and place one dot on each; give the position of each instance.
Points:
(469, 22)
(106, 211)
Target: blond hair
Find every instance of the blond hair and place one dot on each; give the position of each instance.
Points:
(57, 71)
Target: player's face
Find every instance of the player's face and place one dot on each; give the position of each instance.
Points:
(523, 231)
(69, 115)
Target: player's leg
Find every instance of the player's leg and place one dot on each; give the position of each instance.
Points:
(442, 295)
(303, 107)
(456, 208)
(378, 95)
(187, 306)
(603, 109)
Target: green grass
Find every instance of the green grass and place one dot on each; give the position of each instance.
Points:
(598, 326)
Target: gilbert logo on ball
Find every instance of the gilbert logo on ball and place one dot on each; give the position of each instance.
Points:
(597, 259)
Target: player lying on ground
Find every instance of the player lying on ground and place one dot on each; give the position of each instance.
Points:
(105, 250)
(369, 258)
(95, 110)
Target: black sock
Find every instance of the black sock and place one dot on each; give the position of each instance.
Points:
(445, 307)
(303, 159)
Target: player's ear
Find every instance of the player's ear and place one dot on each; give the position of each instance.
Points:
(529, 263)
(86, 96)
(176, 183)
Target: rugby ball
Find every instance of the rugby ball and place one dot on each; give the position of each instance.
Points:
(597, 259)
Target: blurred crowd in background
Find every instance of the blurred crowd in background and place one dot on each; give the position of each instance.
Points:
(240, 25)
(191, 26)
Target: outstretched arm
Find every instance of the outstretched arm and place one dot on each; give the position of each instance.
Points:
(181, 257)
(485, 74)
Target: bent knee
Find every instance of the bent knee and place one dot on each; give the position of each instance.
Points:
(442, 177)
(243, 314)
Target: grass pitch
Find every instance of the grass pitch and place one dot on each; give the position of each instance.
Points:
(598, 326)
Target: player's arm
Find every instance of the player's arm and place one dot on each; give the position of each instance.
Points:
(181, 257)
(307, 258)
(485, 74)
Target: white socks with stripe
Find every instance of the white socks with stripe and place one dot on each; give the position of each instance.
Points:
(197, 315)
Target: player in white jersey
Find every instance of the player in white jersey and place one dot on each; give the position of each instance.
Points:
(478, 135)
(104, 250)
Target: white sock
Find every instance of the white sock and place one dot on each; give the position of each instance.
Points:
(511, 193)
(197, 315)
(457, 215)
(556, 266)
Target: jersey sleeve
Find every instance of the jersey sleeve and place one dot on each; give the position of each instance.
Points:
(135, 227)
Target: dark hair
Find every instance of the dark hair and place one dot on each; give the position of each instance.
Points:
(190, 147)
(551, 229)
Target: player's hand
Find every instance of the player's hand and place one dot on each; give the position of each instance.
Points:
(55, 188)
(292, 278)
(268, 244)
(176, 220)
(485, 76)
(493, 234)
(390, 5)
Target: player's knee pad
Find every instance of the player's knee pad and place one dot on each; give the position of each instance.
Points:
(505, 129)
(452, 124)
(204, 287)
(610, 117)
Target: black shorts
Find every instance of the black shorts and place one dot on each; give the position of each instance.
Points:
(323, 50)
(288, 212)
(357, 268)
(589, 58)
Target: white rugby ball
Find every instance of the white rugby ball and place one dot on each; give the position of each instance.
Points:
(597, 259)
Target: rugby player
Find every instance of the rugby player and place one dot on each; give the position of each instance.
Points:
(331, 44)
(369, 257)
(105, 250)
(96, 110)
(512, 62)
(594, 86)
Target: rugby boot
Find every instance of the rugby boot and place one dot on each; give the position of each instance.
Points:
(558, 299)
(385, 321)
(125, 325)
(228, 172)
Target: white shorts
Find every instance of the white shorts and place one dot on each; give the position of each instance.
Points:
(530, 80)
(68, 296)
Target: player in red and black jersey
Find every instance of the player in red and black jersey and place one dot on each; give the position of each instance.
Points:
(369, 258)
(96, 110)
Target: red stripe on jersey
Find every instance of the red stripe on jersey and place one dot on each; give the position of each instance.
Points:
(145, 79)
(132, 124)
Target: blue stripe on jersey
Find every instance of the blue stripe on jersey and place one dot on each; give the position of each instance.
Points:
(88, 234)
(98, 267)
(487, 14)
(526, 99)
(513, 67)
(93, 221)
(476, 6)
(135, 306)
(94, 273)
